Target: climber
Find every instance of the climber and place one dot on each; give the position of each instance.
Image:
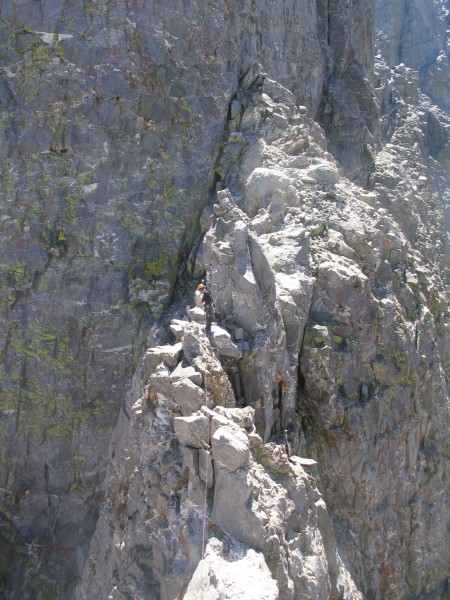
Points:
(198, 296)
(203, 299)
(208, 305)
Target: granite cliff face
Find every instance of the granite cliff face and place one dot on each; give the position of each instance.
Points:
(326, 125)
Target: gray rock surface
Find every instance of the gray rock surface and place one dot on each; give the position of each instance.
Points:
(230, 449)
(112, 116)
(199, 353)
(116, 123)
(189, 396)
(166, 355)
(192, 431)
(360, 288)
(221, 339)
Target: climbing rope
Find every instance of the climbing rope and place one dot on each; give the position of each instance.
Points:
(206, 475)
(205, 503)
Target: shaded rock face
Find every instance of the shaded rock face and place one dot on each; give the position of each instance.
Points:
(349, 117)
(415, 34)
(116, 121)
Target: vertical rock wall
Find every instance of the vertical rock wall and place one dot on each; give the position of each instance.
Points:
(348, 111)
(115, 124)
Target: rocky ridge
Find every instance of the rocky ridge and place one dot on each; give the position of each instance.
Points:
(341, 329)
(198, 504)
(361, 291)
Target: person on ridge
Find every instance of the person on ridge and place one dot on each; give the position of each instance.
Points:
(198, 296)
(208, 306)
(203, 299)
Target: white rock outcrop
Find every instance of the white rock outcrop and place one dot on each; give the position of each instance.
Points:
(242, 574)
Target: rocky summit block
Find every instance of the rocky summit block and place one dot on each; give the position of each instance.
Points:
(230, 449)
(192, 431)
(221, 340)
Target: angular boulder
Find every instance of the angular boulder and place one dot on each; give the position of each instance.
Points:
(324, 172)
(260, 186)
(244, 417)
(230, 449)
(221, 340)
(188, 395)
(197, 315)
(168, 355)
(177, 328)
(192, 431)
(184, 371)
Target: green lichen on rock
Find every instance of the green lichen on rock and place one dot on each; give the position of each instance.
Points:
(169, 189)
(43, 357)
(276, 462)
(157, 268)
(47, 344)
(316, 336)
(16, 275)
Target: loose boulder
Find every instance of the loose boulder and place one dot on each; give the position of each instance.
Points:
(189, 396)
(192, 431)
(230, 449)
(168, 355)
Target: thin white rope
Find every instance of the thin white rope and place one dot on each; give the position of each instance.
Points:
(206, 475)
(204, 504)
(205, 501)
